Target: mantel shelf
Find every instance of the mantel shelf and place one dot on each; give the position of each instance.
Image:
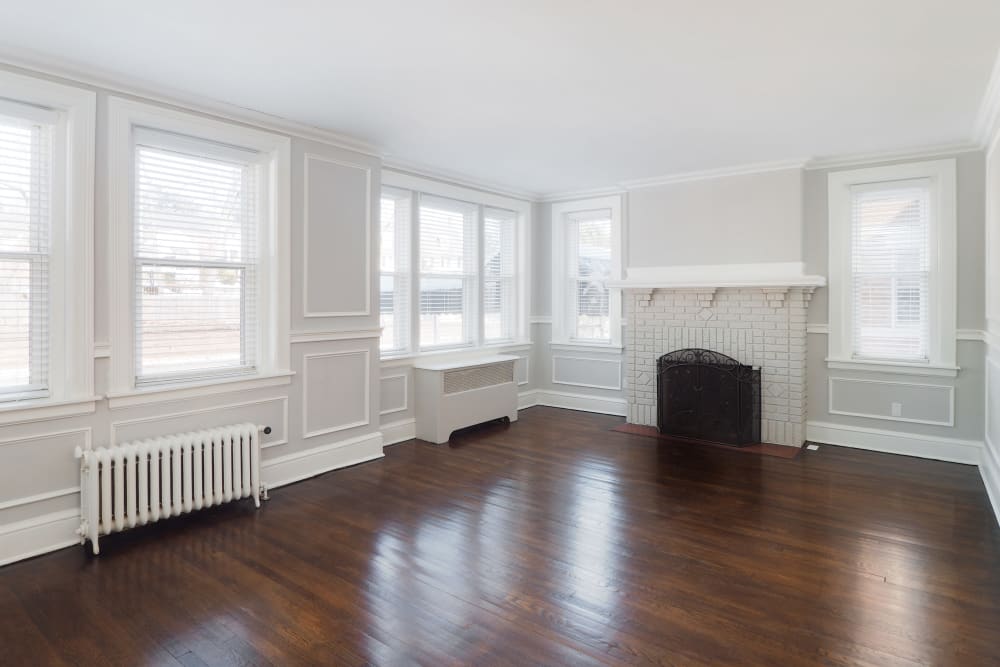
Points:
(770, 275)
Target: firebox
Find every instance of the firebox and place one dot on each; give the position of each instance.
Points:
(704, 395)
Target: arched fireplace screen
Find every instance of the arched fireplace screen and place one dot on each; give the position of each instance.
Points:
(708, 396)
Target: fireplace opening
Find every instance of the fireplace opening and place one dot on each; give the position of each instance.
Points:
(704, 395)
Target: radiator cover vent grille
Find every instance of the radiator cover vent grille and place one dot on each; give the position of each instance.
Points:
(466, 379)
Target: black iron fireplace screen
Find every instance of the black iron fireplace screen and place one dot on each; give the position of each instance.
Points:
(708, 396)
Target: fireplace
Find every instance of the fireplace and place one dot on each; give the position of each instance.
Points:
(705, 395)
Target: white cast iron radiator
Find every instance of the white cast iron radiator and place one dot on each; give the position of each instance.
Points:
(139, 482)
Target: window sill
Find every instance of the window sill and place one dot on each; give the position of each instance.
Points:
(897, 367)
(174, 392)
(40, 409)
(456, 353)
(566, 346)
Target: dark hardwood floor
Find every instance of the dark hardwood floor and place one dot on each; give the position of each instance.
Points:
(549, 542)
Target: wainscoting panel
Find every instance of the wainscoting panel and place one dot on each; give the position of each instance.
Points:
(337, 238)
(336, 389)
(49, 458)
(587, 372)
(918, 403)
(395, 393)
(271, 412)
(522, 374)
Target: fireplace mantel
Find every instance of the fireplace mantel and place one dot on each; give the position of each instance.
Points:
(771, 274)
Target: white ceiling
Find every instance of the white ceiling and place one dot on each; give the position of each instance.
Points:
(552, 95)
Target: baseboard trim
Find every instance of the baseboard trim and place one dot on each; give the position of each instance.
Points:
(952, 450)
(38, 535)
(398, 431)
(315, 461)
(569, 401)
(989, 469)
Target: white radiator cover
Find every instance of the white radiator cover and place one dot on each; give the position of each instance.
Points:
(457, 394)
(140, 482)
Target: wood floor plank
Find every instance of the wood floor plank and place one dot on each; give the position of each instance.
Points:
(551, 541)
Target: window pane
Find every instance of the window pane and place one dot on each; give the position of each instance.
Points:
(195, 246)
(190, 318)
(891, 270)
(394, 263)
(25, 204)
(192, 207)
(442, 312)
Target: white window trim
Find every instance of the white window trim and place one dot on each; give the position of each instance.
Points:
(71, 326)
(943, 262)
(274, 310)
(522, 280)
(561, 327)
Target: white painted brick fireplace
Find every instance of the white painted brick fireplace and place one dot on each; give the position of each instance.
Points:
(761, 326)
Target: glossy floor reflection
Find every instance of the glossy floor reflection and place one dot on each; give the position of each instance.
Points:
(552, 541)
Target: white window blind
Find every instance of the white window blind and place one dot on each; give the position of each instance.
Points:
(195, 249)
(588, 236)
(499, 229)
(394, 267)
(890, 260)
(26, 173)
(448, 271)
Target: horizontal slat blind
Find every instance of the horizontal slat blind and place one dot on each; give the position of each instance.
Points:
(394, 268)
(195, 261)
(589, 263)
(448, 259)
(25, 223)
(891, 270)
(499, 227)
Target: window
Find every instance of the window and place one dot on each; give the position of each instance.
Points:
(46, 207)
(25, 249)
(448, 276)
(195, 245)
(459, 250)
(200, 260)
(892, 267)
(394, 270)
(890, 271)
(499, 234)
(585, 238)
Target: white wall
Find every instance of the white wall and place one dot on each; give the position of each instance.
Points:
(326, 417)
(740, 219)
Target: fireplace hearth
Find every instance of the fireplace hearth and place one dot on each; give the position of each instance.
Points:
(706, 395)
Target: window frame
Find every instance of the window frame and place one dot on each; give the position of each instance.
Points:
(273, 244)
(942, 288)
(563, 297)
(70, 385)
(417, 187)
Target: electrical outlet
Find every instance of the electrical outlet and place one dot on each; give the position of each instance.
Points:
(897, 409)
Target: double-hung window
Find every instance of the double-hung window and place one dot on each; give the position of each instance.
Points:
(448, 275)
(46, 240)
(26, 172)
(199, 221)
(585, 237)
(452, 276)
(892, 266)
(196, 218)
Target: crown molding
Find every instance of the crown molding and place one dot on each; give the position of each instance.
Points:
(861, 159)
(31, 62)
(454, 178)
(709, 174)
(572, 195)
(987, 129)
